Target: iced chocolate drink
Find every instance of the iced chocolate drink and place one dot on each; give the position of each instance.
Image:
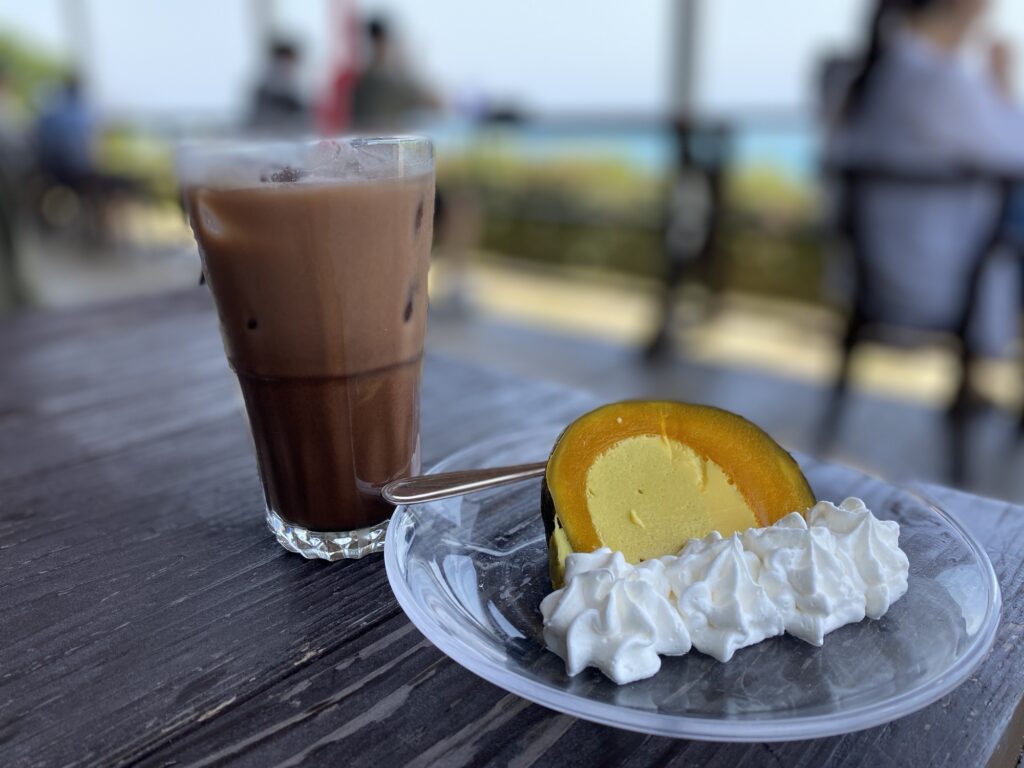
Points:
(317, 259)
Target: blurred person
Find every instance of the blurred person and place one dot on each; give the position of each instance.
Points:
(70, 186)
(334, 110)
(67, 187)
(65, 136)
(387, 96)
(277, 103)
(914, 103)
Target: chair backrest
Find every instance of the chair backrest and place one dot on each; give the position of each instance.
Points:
(855, 183)
(694, 208)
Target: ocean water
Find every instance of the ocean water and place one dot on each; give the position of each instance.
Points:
(790, 149)
(793, 151)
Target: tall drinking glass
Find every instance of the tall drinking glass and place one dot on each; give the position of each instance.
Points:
(317, 254)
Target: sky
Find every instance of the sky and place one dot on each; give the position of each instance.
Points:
(154, 58)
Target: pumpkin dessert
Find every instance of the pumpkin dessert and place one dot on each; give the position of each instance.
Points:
(645, 477)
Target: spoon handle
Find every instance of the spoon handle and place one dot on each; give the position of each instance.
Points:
(416, 490)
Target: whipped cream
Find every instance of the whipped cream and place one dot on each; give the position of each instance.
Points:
(714, 585)
(614, 616)
(805, 576)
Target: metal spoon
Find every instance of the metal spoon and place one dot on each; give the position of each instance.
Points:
(416, 490)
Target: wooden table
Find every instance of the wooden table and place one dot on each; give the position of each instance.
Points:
(147, 616)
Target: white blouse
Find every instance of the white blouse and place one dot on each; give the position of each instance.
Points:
(927, 109)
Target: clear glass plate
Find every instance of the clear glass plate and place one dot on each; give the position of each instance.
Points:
(470, 573)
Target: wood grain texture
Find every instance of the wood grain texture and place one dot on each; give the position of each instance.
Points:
(147, 617)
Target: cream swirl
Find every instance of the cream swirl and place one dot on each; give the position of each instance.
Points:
(613, 616)
(870, 549)
(715, 585)
(720, 595)
(804, 577)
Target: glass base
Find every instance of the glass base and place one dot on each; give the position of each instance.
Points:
(342, 545)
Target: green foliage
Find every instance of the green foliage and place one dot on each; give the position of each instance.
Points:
(605, 214)
(619, 249)
(783, 265)
(766, 192)
(567, 210)
(126, 152)
(767, 240)
(593, 183)
(29, 68)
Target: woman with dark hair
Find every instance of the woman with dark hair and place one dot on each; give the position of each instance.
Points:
(917, 105)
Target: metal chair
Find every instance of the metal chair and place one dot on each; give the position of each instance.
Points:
(691, 222)
(854, 185)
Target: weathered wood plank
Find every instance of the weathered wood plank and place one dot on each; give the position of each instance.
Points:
(147, 617)
(954, 731)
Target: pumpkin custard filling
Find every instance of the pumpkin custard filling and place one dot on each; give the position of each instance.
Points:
(673, 526)
(650, 494)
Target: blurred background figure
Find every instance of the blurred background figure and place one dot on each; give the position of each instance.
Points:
(388, 96)
(66, 185)
(65, 136)
(69, 183)
(915, 105)
(278, 104)
(334, 109)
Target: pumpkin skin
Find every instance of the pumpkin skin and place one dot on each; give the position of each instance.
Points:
(754, 474)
